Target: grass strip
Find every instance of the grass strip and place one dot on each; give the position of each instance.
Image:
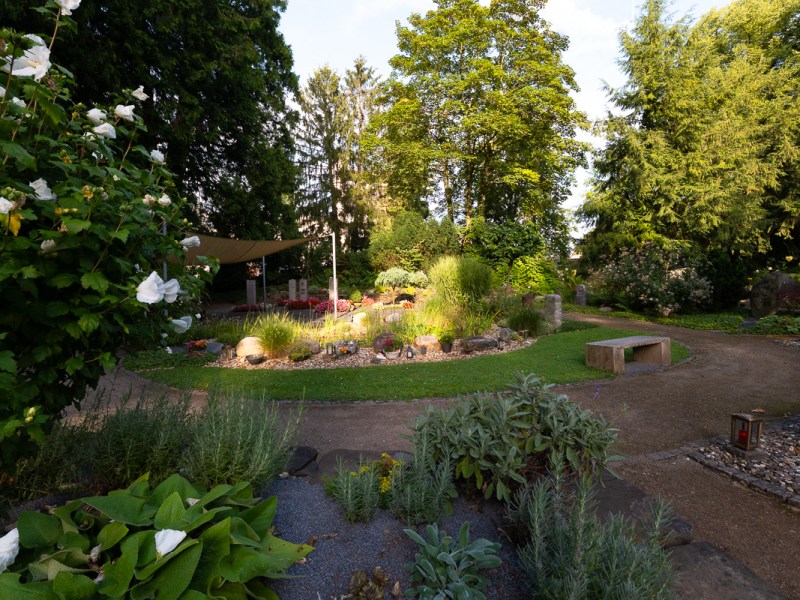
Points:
(557, 358)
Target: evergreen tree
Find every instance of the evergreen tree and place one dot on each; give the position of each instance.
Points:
(704, 150)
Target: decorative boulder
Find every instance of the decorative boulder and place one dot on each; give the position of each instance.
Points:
(477, 342)
(431, 342)
(775, 293)
(313, 346)
(214, 348)
(249, 345)
(393, 317)
(359, 318)
(505, 334)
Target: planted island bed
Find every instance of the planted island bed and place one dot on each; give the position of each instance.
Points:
(558, 358)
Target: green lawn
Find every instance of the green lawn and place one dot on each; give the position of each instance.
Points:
(558, 358)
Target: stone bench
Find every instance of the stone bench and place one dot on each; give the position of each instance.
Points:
(609, 355)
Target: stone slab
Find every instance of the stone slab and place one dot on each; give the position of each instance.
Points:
(609, 355)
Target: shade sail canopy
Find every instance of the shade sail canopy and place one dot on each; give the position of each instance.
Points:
(228, 251)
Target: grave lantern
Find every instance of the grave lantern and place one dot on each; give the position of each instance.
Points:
(500, 344)
(409, 352)
(745, 431)
(330, 349)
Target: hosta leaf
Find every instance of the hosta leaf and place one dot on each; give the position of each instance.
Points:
(10, 587)
(70, 586)
(261, 515)
(170, 513)
(111, 534)
(125, 509)
(170, 581)
(37, 530)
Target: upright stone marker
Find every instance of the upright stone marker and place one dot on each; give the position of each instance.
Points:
(331, 290)
(292, 290)
(580, 295)
(303, 289)
(552, 310)
(251, 291)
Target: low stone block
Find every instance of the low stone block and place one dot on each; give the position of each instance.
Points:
(477, 342)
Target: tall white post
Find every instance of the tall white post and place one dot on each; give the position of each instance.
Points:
(335, 282)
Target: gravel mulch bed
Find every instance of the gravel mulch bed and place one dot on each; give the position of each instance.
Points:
(773, 469)
(363, 358)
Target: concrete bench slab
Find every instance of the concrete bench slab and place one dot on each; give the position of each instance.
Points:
(609, 355)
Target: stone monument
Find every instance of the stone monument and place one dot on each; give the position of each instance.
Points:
(250, 287)
(304, 289)
(580, 295)
(552, 310)
(292, 290)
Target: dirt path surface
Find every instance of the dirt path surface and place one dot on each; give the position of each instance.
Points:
(655, 412)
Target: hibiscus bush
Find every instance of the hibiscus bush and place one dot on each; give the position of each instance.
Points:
(88, 221)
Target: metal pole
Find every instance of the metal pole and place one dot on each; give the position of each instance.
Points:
(264, 281)
(335, 284)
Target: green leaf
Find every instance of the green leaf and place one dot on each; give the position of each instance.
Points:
(12, 589)
(65, 514)
(111, 534)
(171, 580)
(95, 281)
(70, 586)
(89, 322)
(170, 514)
(56, 309)
(18, 153)
(74, 364)
(118, 574)
(125, 509)
(63, 280)
(70, 560)
(38, 530)
(261, 515)
(216, 545)
(76, 225)
(174, 483)
(7, 362)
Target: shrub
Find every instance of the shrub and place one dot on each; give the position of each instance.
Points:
(235, 440)
(536, 274)
(654, 279)
(460, 280)
(777, 325)
(172, 541)
(82, 245)
(418, 279)
(497, 440)
(445, 569)
(277, 332)
(355, 297)
(571, 553)
(358, 492)
(393, 278)
(422, 489)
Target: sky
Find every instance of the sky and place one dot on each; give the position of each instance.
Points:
(335, 32)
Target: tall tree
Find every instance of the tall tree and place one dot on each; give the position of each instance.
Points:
(704, 151)
(361, 88)
(323, 193)
(218, 74)
(480, 120)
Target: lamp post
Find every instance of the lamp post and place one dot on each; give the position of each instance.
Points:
(335, 282)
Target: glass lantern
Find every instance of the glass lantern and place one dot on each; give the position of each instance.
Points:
(745, 431)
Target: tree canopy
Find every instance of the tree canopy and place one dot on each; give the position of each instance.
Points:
(479, 119)
(704, 147)
(218, 75)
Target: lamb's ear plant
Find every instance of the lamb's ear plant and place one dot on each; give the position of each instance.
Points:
(174, 541)
(448, 568)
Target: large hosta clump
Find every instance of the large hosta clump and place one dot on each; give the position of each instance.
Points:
(170, 542)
